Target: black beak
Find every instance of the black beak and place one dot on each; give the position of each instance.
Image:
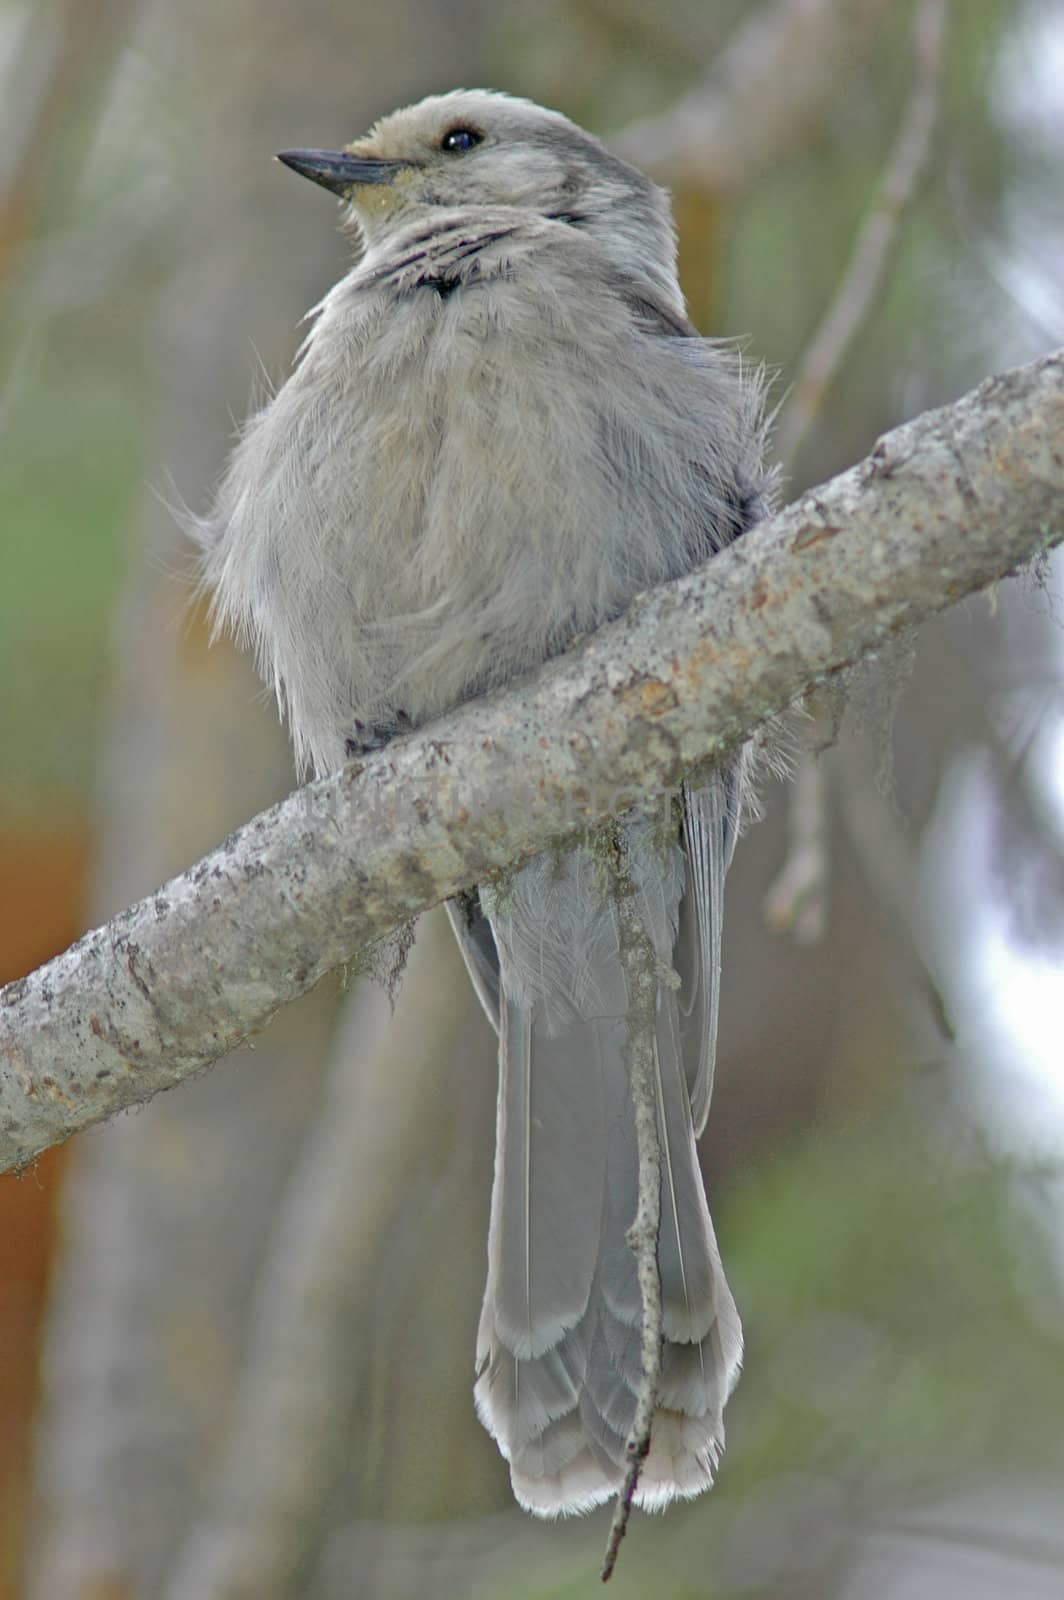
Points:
(336, 170)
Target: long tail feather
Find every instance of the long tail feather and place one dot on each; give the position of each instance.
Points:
(559, 1353)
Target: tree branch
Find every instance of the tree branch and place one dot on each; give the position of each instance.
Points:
(943, 506)
(877, 239)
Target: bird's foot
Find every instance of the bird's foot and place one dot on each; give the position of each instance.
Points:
(370, 736)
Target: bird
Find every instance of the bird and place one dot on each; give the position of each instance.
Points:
(500, 428)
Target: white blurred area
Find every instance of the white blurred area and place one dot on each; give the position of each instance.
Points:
(1008, 994)
(985, 1546)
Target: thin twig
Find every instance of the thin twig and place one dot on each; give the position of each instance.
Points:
(876, 240)
(889, 866)
(642, 977)
(797, 899)
(766, 89)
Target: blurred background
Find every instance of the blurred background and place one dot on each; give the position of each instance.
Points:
(237, 1327)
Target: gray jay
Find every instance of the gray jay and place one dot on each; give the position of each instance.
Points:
(500, 428)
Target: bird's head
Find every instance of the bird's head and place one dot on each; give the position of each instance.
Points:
(476, 148)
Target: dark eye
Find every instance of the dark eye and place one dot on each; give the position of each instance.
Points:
(458, 139)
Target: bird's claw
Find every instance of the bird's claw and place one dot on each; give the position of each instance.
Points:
(370, 736)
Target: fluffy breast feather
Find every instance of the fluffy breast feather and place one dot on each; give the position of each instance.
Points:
(486, 447)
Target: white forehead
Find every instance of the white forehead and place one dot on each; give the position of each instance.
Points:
(484, 109)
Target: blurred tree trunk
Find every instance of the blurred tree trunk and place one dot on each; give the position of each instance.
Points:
(169, 1212)
(53, 87)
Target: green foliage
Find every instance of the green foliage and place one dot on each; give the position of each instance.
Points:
(68, 467)
(886, 1304)
(905, 1340)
